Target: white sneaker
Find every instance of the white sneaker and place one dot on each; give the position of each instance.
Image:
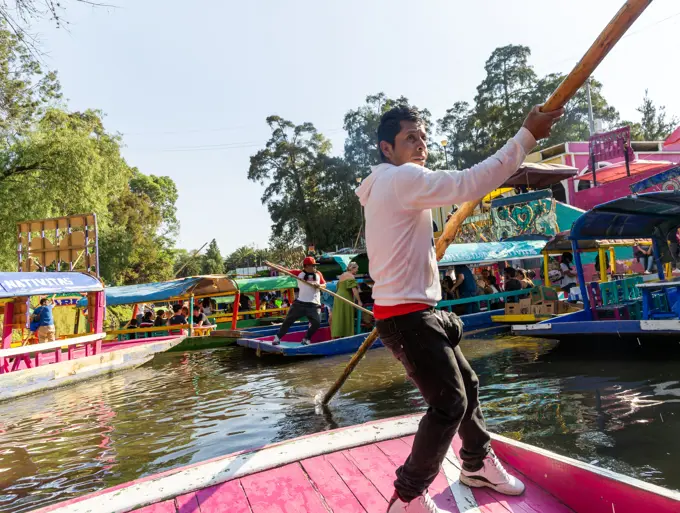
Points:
(305, 342)
(276, 340)
(421, 504)
(494, 476)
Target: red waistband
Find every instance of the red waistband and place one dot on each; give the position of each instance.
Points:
(385, 312)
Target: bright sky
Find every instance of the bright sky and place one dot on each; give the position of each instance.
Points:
(190, 84)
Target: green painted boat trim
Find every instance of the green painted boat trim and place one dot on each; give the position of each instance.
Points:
(249, 285)
(199, 343)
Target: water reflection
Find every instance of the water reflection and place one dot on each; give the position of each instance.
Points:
(184, 408)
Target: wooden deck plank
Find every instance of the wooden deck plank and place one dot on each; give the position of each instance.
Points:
(161, 507)
(533, 500)
(376, 466)
(367, 494)
(282, 490)
(228, 496)
(397, 451)
(334, 490)
(187, 503)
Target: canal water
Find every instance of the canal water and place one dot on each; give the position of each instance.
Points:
(184, 408)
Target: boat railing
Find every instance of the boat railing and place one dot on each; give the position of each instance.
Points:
(159, 331)
(227, 317)
(450, 303)
(11, 359)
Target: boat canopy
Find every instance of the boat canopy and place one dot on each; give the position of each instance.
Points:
(561, 243)
(617, 171)
(538, 175)
(181, 288)
(631, 217)
(266, 284)
(490, 252)
(341, 259)
(38, 283)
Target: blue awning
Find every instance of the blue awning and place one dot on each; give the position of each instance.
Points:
(641, 216)
(168, 290)
(490, 252)
(33, 284)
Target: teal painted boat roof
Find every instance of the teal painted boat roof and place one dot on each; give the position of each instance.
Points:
(167, 290)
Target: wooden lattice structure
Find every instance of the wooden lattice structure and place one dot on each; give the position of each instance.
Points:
(66, 243)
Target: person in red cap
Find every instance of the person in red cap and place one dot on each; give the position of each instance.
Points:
(307, 304)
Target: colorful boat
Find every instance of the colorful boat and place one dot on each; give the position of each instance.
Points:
(351, 470)
(35, 367)
(321, 344)
(259, 317)
(629, 312)
(169, 292)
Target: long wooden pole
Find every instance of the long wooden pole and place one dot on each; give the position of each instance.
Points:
(564, 92)
(611, 35)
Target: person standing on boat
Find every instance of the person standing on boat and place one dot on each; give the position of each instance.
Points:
(45, 320)
(568, 272)
(342, 321)
(397, 198)
(466, 285)
(307, 304)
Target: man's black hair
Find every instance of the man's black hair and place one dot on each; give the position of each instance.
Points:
(390, 124)
(510, 271)
(177, 308)
(43, 301)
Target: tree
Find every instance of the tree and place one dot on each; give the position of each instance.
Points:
(245, 256)
(27, 90)
(131, 251)
(17, 14)
(503, 96)
(361, 125)
(162, 192)
(186, 264)
(212, 263)
(654, 124)
(68, 164)
(574, 125)
(287, 252)
(289, 166)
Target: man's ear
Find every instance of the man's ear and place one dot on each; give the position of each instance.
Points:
(387, 150)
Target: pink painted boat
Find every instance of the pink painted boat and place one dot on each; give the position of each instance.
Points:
(36, 367)
(351, 470)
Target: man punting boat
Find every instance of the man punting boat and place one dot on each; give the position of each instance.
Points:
(397, 198)
(308, 303)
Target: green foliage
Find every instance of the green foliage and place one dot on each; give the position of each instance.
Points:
(55, 163)
(133, 250)
(302, 183)
(212, 263)
(574, 124)
(186, 264)
(27, 89)
(654, 125)
(361, 125)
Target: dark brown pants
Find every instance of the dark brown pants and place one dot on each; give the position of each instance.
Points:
(426, 343)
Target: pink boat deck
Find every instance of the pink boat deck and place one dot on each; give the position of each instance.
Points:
(351, 470)
(357, 480)
(50, 357)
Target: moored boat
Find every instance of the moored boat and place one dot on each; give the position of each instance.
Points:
(35, 367)
(629, 312)
(351, 470)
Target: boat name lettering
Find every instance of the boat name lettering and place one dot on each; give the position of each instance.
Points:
(35, 283)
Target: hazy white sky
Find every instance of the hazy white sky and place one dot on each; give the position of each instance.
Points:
(190, 83)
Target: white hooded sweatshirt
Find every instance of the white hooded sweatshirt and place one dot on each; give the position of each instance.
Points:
(397, 202)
